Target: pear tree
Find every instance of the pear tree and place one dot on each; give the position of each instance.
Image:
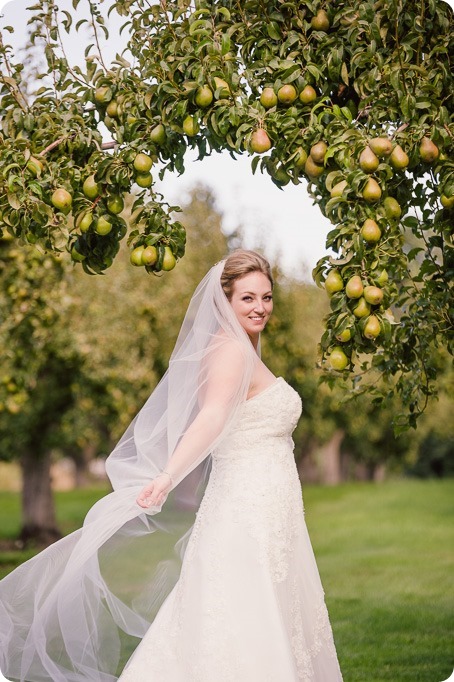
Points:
(351, 99)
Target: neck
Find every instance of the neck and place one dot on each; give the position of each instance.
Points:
(254, 338)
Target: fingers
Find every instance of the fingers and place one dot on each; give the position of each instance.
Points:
(143, 499)
(151, 496)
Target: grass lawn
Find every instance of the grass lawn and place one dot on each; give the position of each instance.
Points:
(385, 554)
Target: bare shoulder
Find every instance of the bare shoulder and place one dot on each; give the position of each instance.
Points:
(226, 352)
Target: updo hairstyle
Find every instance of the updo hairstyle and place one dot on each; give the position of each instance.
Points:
(240, 263)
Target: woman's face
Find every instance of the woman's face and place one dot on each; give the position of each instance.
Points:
(252, 302)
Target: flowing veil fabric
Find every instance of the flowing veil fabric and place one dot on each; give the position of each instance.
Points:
(74, 612)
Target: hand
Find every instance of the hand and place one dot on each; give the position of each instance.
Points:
(155, 493)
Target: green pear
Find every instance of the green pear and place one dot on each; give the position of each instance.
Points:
(372, 191)
(169, 261)
(260, 141)
(354, 287)
(149, 255)
(333, 282)
(362, 308)
(372, 327)
(373, 295)
(368, 161)
(344, 336)
(337, 359)
(103, 226)
(221, 83)
(312, 169)
(136, 256)
(85, 222)
(318, 152)
(158, 134)
(428, 151)
(370, 231)
(268, 98)
(204, 96)
(190, 126)
(399, 159)
(320, 22)
(91, 188)
(287, 94)
(381, 146)
(301, 157)
(308, 95)
(447, 202)
(142, 163)
(62, 200)
(392, 208)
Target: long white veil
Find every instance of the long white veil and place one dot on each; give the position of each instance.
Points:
(74, 612)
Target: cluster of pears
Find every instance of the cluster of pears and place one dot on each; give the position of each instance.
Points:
(114, 203)
(142, 165)
(382, 149)
(111, 108)
(285, 95)
(115, 109)
(153, 256)
(202, 97)
(377, 150)
(89, 219)
(108, 106)
(364, 301)
(100, 217)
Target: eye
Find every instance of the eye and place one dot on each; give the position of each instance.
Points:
(268, 298)
(247, 298)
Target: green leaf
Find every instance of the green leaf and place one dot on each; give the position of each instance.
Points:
(197, 25)
(344, 73)
(225, 43)
(273, 31)
(224, 12)
(13, 200)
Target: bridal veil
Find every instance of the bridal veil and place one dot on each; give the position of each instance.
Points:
(74, 612)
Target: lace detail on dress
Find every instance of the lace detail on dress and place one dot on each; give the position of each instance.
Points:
(248, 606)
(264, 495)
(305, 652)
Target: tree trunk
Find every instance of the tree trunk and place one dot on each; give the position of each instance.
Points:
(39, 525)
(81, 459)
(330, 459)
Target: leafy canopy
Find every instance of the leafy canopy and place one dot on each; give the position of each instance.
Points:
(354, 98)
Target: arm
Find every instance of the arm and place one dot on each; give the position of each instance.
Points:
(224, 377)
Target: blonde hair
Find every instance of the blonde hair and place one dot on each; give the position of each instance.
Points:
(240, 263)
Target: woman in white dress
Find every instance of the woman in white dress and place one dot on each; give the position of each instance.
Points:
(247, 604)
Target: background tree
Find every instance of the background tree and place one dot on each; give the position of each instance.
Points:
(39, 361)
(354, 98)
(82, 355)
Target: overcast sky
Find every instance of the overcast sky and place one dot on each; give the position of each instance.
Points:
(285, 220)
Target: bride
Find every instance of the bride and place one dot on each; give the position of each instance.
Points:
(237, 597)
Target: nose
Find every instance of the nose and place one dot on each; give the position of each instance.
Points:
(259, 308)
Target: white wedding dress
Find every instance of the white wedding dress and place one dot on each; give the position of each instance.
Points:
(249, 605)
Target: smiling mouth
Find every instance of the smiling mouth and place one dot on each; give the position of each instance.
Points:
(257, 318)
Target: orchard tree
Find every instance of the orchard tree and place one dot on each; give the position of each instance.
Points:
(352, 98)
(72, 376)
(39, 363)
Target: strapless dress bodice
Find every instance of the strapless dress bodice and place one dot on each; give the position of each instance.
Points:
(263, 423)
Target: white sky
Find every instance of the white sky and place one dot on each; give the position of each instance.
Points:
(285, 221)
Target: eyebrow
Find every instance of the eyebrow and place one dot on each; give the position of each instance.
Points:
(253, 292)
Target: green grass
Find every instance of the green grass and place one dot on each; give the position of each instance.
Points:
(385, 554)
